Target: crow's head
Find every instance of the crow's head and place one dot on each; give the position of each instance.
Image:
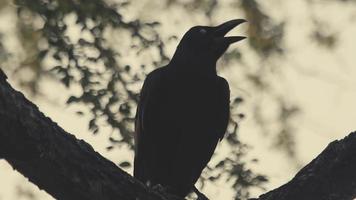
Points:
(205, 44)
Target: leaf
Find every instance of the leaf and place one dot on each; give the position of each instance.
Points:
(220, 164)
(127, 68)
(111, 139)
(72, 99)
(109, 148)
(238, 100)
(92, 124)
(262, 178)
(56, 56)
(125, 164)
(66, 80)
(241, 115)
(42, 54)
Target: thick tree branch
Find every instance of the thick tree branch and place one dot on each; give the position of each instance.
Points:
(330, 176)
(68, 168)
(57, 162)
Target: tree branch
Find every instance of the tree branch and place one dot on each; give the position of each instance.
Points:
(330, 176)
(57, 162)
(68, 168)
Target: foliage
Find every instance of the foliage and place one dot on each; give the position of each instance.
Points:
(90, 61)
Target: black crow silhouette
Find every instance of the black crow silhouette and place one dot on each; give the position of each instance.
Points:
(183, 111)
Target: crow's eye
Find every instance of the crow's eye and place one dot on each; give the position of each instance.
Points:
(202, 31)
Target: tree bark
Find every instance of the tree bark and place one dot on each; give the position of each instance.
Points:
(57, 162)
(68, 168)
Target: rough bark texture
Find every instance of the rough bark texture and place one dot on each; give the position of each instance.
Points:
(68, 168)
(57, 162)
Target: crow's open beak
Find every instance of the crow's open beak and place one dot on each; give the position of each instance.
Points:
(221, 30)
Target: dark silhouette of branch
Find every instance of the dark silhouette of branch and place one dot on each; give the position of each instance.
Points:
(57, 162)
(330, 176)
(68, 168)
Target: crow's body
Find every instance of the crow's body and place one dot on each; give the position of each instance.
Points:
(182, 114)
(180, 120)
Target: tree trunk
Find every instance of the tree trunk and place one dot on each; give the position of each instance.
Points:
(68, 168)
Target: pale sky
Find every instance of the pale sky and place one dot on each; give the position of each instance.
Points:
(322, 82)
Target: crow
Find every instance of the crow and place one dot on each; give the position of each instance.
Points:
(183, 111)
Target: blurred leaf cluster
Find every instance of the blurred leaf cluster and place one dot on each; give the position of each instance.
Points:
(88, 61)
